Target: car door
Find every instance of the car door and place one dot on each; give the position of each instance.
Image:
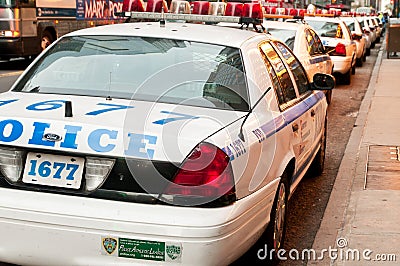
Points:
(294, 110)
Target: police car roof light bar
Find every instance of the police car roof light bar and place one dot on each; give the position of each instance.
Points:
(244, 21)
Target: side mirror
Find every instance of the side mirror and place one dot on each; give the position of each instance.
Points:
(323, 82)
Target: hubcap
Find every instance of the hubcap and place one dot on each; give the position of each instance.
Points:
(280, 217)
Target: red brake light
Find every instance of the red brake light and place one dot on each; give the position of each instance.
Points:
(340, 49)
(206, 172)
(252, 10)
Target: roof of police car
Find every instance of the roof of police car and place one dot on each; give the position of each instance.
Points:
(283, 25)
(229, 36)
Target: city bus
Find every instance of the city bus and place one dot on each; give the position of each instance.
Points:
(29, 26)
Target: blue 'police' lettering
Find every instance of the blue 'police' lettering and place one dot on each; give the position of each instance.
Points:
(37, 136)
(16, 130)
(70, 137)
(137, 145)
(95, 137)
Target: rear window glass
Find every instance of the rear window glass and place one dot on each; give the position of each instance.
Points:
(142, 68)
(327, 28)
(287, 36)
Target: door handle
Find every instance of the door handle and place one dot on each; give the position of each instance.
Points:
(312, 113)
(295, 127)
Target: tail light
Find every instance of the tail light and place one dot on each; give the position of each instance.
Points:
(205, 173)
(11, 164)
(366, 31)
(97, 170)
(340, 49)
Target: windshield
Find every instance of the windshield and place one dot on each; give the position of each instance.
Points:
(142, 68)
(7, 3)
(287, 36)
(327, 29)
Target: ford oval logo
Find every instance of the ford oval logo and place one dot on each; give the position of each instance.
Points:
(52, 137)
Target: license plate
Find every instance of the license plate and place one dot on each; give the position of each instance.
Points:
(53, 170)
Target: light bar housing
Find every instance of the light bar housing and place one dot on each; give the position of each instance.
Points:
(186, 17)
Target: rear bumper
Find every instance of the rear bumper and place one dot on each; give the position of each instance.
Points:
(341, 64)
(48, 229)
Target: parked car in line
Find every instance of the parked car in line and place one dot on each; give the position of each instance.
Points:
(358, 36)
(156, 142)
(336, 37)
(306, 45)
(369, 34)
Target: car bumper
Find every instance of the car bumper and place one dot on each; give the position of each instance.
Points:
(49, 229)
(341, 64)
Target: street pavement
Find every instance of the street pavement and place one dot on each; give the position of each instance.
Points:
(361, 223)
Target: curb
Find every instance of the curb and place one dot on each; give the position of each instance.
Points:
(354, 158)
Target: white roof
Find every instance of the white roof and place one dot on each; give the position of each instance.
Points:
(283, 25)
(330, 19)
(227, 36)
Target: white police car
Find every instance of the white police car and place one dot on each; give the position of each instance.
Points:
(149, 143)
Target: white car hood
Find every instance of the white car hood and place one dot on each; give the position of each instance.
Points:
(115, 128)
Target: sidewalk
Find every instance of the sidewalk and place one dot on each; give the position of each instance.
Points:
(363, 213)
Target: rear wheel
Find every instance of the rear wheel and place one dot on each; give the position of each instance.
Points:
(346, 78)
(359, 62)
(276, 229)
(328, 95)
(368, 52)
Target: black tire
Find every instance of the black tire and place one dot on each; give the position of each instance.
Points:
(46, 40)
(328, 95)
(276, 229)
(378, 40)
(373, 45)
(317, 165)
(346, 78)
(353, 69)
(364, 58)
(368, 52)
(359, 62)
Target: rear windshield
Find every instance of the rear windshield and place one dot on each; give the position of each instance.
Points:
(326, 28)
(142, 68)
(287, 36)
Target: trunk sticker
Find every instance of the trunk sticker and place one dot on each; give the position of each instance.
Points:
(141, 249)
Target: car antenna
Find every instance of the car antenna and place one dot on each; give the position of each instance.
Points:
(68, 109)
(108, 98)
(240, 135)
(162, 20)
